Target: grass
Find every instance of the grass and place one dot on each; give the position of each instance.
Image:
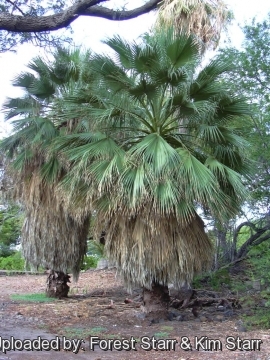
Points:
(161, 334)
(73, 332)
(238, 286)
(98, 330)
(260, 319)
(82, 333)
(38, 297)
(166, 328)
(248, 301)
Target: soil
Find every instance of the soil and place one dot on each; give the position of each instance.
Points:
(99, 306)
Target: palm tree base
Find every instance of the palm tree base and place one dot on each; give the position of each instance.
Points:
(57, 286)
(156, 301)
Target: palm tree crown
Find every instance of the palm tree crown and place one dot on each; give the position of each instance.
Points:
(50, 236)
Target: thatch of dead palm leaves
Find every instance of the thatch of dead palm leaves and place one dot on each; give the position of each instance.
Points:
(203, 18)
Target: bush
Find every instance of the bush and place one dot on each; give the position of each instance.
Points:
(5, 250)
(214, 280)
(10, 226)
(90, 262)
(95, 248)
(259, 262)
(12, 262)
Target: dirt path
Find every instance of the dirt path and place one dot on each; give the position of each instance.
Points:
(96, 308)
(10, 328)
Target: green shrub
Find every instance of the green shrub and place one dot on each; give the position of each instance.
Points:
(5, 250)
(10, 227)
(95, 248)
(12, 262)
(90, 262)
(259, 262)
(214, 280)
(219, 278)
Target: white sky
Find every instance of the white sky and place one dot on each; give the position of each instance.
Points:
(89, 31)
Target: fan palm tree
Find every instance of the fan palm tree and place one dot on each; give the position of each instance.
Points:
(203, 18)
(51, 236)
(160, 143)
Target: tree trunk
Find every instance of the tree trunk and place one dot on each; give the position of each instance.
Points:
(57, 286)
(156, 302)
(181, 297)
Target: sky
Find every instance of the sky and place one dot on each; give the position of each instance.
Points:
(90, 31)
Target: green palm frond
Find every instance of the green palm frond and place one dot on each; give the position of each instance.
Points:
(51, 170)
(23, 159)
(24, 80)
(123, 50)
(24, 106)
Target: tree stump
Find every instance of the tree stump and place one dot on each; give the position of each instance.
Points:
(57, 286)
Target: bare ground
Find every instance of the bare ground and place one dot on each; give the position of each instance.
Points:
(96, 307)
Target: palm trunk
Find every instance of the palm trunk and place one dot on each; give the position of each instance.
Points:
(156, 301)
(57, 286)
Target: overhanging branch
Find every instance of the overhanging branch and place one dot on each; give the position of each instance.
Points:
(28, 23)
(118, 15)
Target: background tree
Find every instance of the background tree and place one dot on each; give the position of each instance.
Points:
(253, 75)
(251, 78)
